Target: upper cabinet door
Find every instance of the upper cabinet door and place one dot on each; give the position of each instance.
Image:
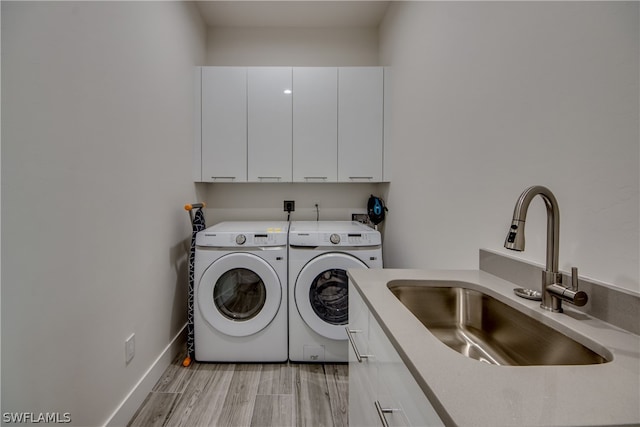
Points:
(224, 124)
(387, 124)
(360, 118)
(315, 124)
(269, 128)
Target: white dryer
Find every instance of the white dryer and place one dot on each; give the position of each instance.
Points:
(240, 293)
(320, 253)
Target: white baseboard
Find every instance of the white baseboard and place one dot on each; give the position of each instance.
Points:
(125, 411)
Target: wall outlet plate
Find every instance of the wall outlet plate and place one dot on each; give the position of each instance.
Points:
(130, 348)
(289, 205)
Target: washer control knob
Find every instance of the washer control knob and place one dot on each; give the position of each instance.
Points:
(334, 238)
(240, 239)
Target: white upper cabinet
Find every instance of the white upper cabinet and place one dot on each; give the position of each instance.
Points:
(388, 122)
(269, 124)
(360, 124)
(224, 124)
(315, 124)
(291, 124)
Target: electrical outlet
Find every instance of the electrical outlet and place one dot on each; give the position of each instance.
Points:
(289, 205)
(130, 348)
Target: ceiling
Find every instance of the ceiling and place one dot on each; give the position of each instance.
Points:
(325, 13)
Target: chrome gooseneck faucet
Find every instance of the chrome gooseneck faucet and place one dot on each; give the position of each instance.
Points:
(553, 292)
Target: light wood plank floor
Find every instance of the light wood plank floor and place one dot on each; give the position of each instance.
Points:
(247, 395)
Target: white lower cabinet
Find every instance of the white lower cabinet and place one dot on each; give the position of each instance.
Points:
(362, 370)
(382, 391)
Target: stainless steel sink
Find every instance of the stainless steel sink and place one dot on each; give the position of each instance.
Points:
(485, 329)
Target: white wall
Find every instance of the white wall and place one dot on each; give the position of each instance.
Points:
(97, 110)
(297, 46)
(294, 46)
(492, 97)
(253, 202)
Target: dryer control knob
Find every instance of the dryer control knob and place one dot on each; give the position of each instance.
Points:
(240, 239)
(334, 238)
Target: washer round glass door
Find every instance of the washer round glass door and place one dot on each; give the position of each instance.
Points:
(239, 294)
(321, 293)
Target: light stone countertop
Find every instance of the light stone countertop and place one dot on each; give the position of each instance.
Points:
(467, 392)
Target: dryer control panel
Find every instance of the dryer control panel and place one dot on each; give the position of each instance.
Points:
(349, 239)
(332, 233)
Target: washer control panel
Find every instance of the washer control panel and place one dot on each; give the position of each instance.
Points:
(262, 239)
(245, 235)
(243, 239)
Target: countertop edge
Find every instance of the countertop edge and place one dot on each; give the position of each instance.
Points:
(582, 400)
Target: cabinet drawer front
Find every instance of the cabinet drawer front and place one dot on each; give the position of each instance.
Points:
(358, 316)
(362, 374)
(358, 328)
(397, 388)
(362, 383)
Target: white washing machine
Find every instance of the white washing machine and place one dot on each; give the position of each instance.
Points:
(240, 293)
(320, 253)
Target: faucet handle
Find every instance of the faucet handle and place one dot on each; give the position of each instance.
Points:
(575, 297)
(571, 295)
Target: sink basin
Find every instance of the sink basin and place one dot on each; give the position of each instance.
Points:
(482, 328)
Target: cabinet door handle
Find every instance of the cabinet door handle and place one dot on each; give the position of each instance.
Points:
(275, 178)
(308, 178)
(381, 411)
(230, 178)
(367, 178)
(359, 356)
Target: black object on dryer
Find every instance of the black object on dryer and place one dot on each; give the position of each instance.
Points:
(376, 209)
